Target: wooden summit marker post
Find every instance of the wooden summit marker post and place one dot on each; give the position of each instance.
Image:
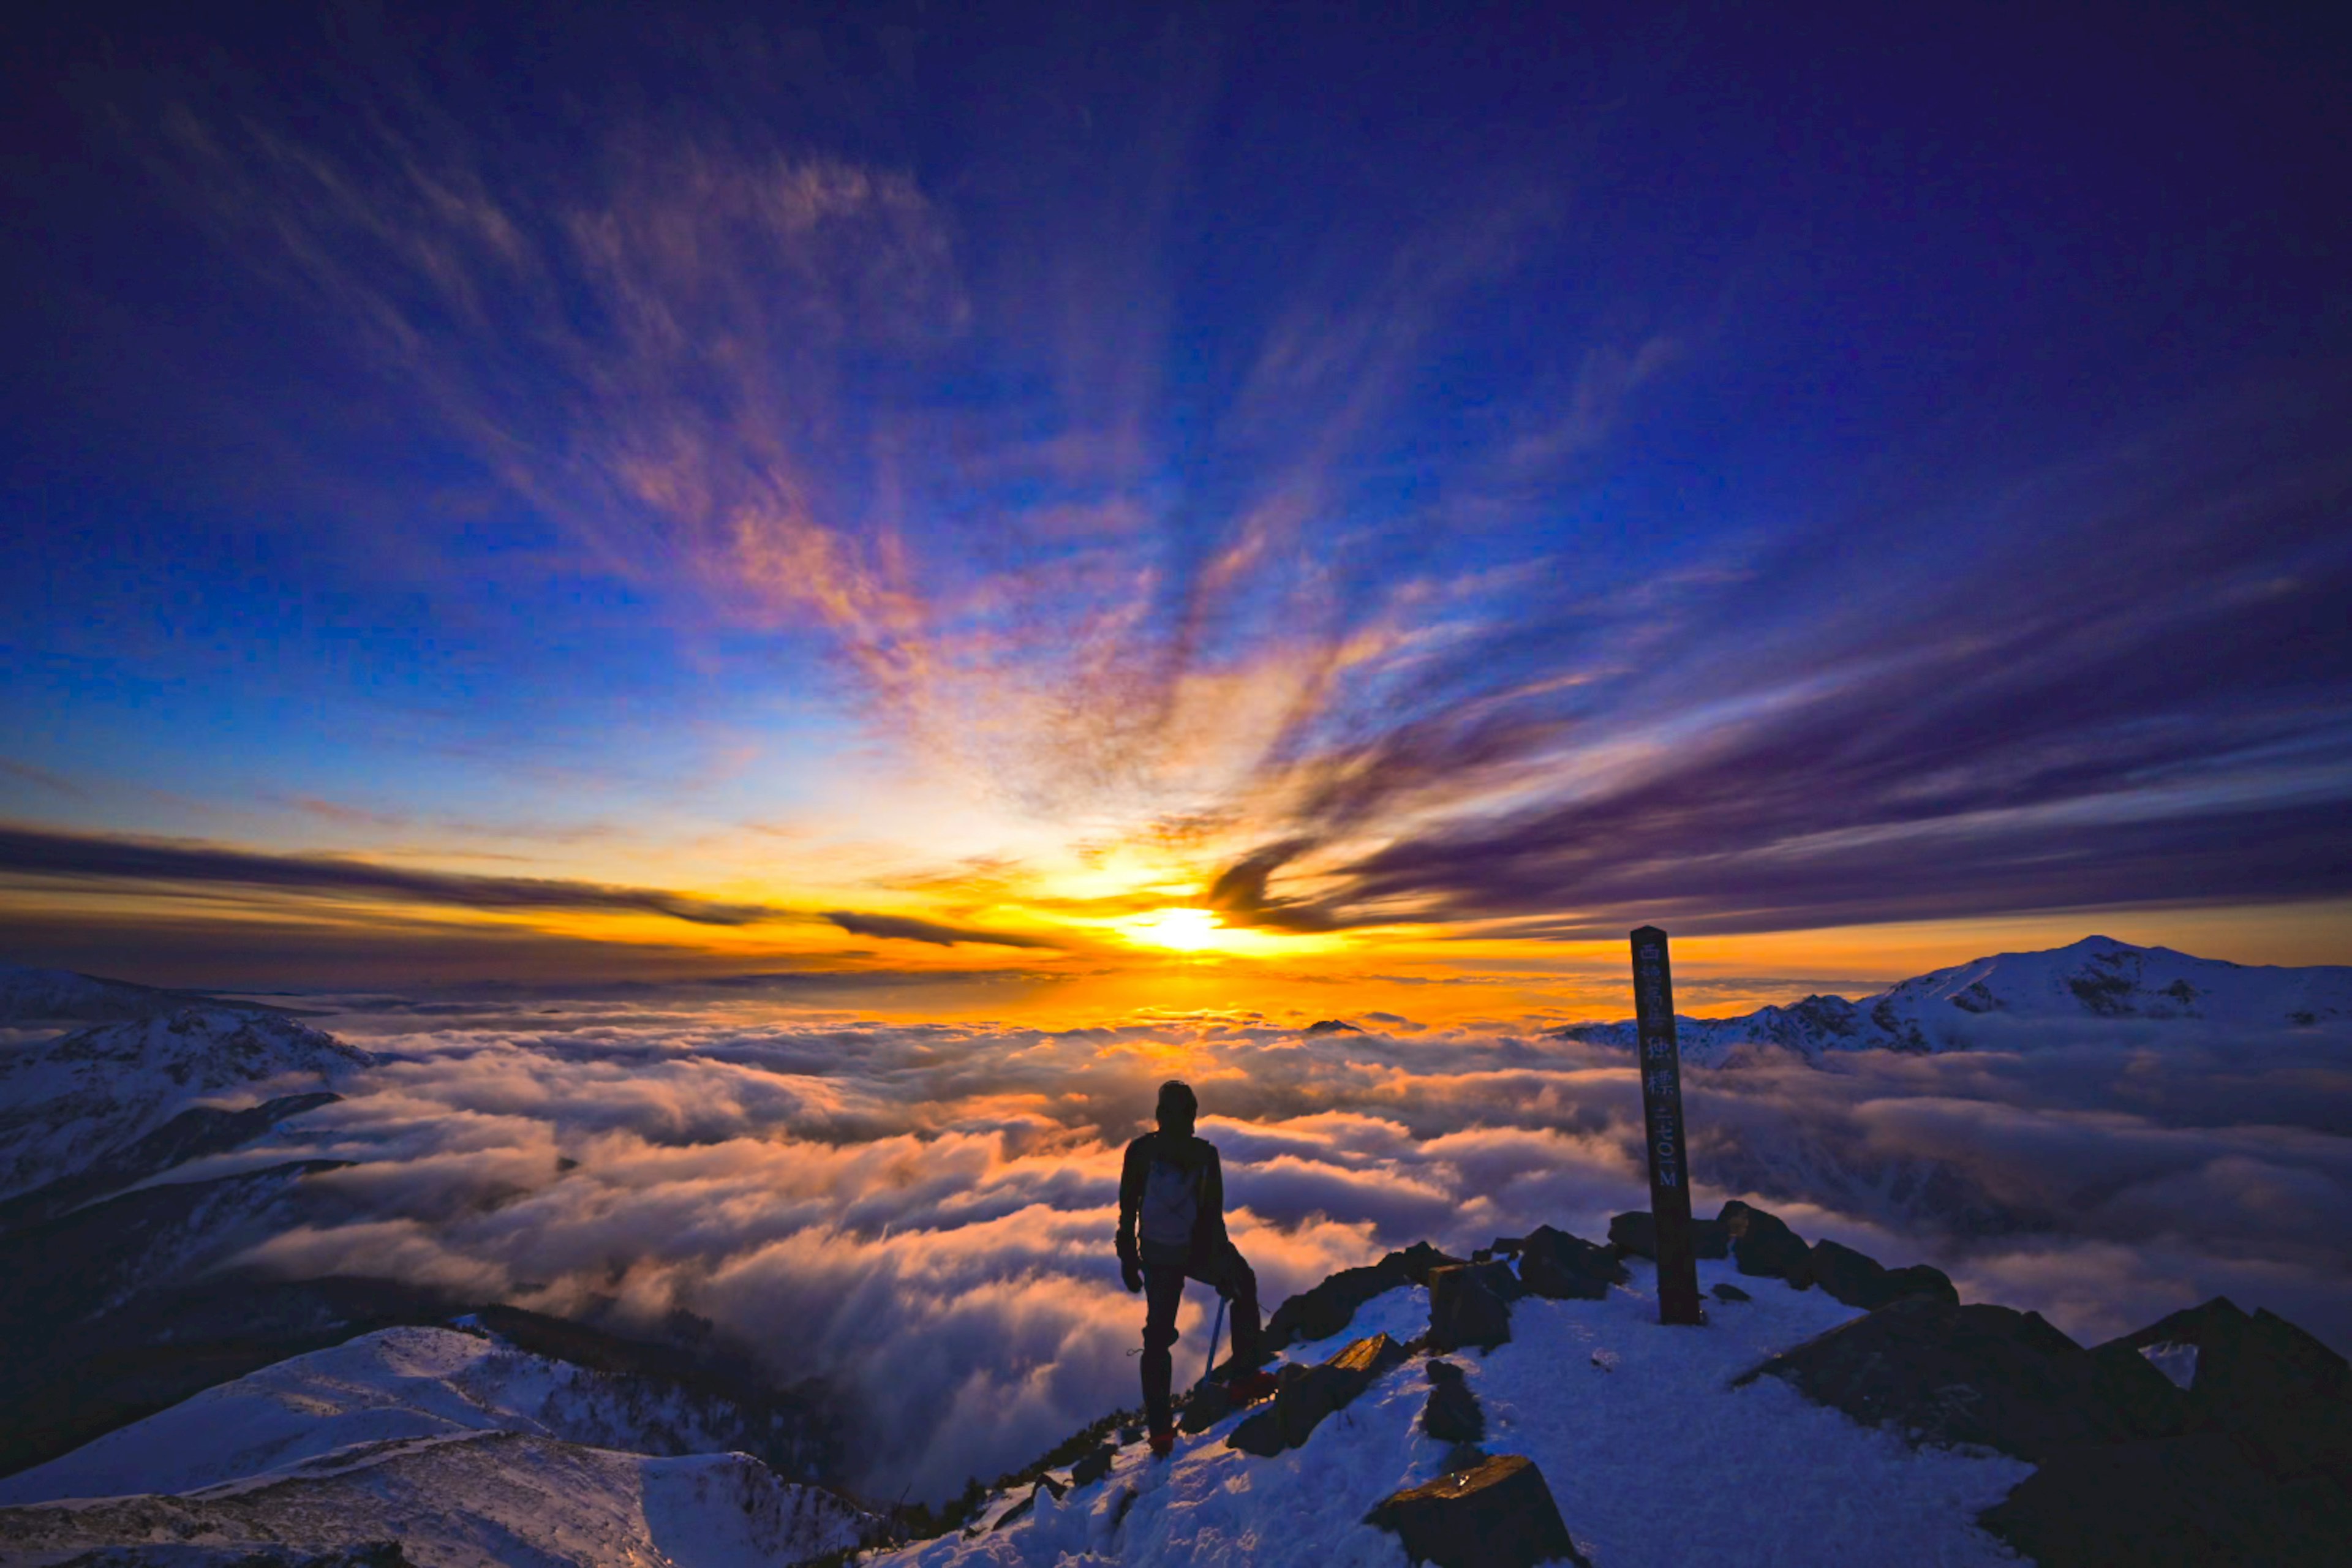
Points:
(1662, 1114)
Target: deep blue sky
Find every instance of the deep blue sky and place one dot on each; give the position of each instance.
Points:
(1479, 473)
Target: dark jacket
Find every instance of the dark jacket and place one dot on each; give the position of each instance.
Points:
(1208, 1226)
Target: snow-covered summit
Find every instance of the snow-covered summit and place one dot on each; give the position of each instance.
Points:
(70, 1102)
(2095, 978)
(1650, 1456)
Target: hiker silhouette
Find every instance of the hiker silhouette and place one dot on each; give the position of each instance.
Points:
(1171, 1228)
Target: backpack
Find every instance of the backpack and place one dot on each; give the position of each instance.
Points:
(1170, 1211)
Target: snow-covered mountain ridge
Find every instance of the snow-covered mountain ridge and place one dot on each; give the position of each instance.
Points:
(1990, 998)
(69, 1103)
(463, 1448)
(61, 995)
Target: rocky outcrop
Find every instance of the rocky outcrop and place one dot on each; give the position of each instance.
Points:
(1497, 1513)
(1452, 1415)
(1328, 1308)
(1094, 1466)
(2202, 1500)
(1562, 1267)
(1860, 1280)
(1762, 1244)
(2250, 1463)
(1304, 1396)
(1950, 1375)
(1469, 1304)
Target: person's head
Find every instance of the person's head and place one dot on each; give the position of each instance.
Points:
(1177, 1108)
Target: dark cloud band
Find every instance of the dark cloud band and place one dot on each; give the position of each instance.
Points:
(89, 857)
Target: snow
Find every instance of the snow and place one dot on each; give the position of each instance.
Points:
(394, 1384)
(69, 1103)
(29, 994)
(1652, 1458)
(469, 1450)
(2177, 1361)
(1968, 1003)
(471, 1500)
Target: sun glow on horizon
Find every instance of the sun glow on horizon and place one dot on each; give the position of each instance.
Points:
(1179, 930)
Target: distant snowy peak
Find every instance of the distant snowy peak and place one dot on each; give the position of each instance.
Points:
(42, 995)
(2097, 978)
(67, 1104)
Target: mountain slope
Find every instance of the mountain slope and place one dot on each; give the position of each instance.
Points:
(1968, 1003)
(471, 1499)
(1651, 1459)
(466, 1448)
(61, 995)
(69, 1104)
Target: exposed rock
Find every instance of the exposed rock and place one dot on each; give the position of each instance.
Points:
(1452, 1415)
(1635, 1235)
(1727, 1292)
(1860, 1280)
(1949, 1376)
(2287, 1395)
(1555, 1264)
(1332, 1026)
(2198, 1501)
(1469, 1305)
(1304, 1396)
(1495, 1514)
(1094, 1466)
(1763, 1244)
(1328, 1308)
(1210, 1402)
(1418, 1260)
(2125, 1379)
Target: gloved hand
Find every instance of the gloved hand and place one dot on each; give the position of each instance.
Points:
(1131, 1273)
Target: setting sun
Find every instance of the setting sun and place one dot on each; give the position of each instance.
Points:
(1183, 929)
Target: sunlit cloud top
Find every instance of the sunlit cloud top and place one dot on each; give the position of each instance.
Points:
(1035, 499)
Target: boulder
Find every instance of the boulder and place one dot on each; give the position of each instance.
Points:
(2194, 1501)
(1497, 1513)
(1210, 1402)
(1860, 1280)
(1469, 1304)
(1328, 1308)
(1945, 1374)
(1763, 1244)
(1094, 1466)
(1635, 1235)
(1304, 1396)
(1555, 1264)
(1452, 1415)
(1727, 1292)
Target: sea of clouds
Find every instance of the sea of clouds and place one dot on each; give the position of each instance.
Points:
(921, 1214)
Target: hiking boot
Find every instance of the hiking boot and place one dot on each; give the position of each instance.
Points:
(1249, 1387)
(1163, 1442)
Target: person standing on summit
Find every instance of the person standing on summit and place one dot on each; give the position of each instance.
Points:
(1172, 1228)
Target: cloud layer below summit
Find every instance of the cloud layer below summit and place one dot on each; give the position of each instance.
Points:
(922, 1213)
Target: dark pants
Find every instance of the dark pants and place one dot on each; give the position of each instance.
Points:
(1163, 1291)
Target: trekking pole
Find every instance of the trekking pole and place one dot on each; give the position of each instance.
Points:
(1215, 1330)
